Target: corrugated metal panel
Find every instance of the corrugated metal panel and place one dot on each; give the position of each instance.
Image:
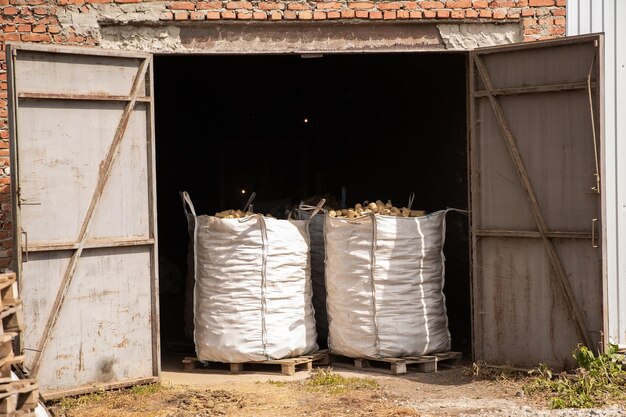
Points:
(609, 16)
(83, 158)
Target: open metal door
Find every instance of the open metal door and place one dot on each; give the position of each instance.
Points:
(535, 190)
(84, 215)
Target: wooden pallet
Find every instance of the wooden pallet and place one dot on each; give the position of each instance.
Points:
(12, 318)
(8, 290)
(6, 363)
(288, 366)
(397, 366)
(19, 398)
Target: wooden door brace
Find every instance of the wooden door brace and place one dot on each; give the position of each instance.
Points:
(555, 260)
(103, 175)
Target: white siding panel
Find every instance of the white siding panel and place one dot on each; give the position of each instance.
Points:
(609, 16)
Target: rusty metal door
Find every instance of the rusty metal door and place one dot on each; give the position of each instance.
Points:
(81, 123)
(535, 166)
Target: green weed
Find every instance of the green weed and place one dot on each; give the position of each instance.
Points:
(598, 379)
(333, 383)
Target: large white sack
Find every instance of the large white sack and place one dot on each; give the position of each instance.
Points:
(384, 285)
(252, 295)
(318, 280)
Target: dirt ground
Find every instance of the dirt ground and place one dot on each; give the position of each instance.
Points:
(263, 393)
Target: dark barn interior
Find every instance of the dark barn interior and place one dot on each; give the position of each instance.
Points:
(289, 128)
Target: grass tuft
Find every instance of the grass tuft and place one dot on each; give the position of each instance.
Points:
(333, 383)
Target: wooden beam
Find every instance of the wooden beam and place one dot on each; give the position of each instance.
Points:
(84, 97)
(533, 89)
(555, 261)
(94, 388)
(105, 169)
(531, 234)
(89, 244)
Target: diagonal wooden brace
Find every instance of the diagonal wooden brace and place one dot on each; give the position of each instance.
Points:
(555, 260)
(105, 169)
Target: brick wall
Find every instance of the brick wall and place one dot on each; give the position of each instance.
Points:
(46, 21)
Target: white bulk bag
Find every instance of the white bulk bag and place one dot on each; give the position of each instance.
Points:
(384, 285)
(252, 296)
(318, 257)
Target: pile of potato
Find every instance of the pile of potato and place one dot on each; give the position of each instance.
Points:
(235, 214)
(378, 207)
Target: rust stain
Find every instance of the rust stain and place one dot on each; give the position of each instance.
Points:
(123, 343)
(81, 359)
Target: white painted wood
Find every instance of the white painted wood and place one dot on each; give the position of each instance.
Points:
(103, 332)
(106, 330)
(609, 16)
(43, 72)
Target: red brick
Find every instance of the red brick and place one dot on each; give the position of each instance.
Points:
(512, 14)
(166, 16)
(457, 14)
(561, 3)
(361, 5)
(333, 14)
(375, 15)
(499, 13)
(536, 3)
(182, 5)
(234, 5)
(128, 1)
(430, 14)
(558, 12)
(362, 14)
(431, 5)
(298, 6)
(40, 11)
(181, 15)
(559, 21)
(196, 16)
(229, 14)
(24, 28)
(471, 13)
(259, 15)
(485, 13)
(10, 11)
(403, 14)
(416, 15)
(443, 14)
(276, 15)
(39, 29)
(410, 5)
(209, 5)
(458, 4)
(244, 15)
(99, 1)
(480, 4)
(328, 5)
(347, 14)
(305, 15)
(528, 12)
(529, 21)
(290, 15)
(54, 29)
(557, 30)
(271, 6)
(389, 15)
(393, 5)
(36, 37)
(317, 15)
(214, 15)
